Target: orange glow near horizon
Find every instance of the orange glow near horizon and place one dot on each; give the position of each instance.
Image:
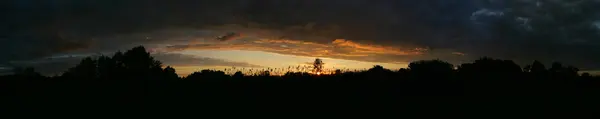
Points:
(278, 63)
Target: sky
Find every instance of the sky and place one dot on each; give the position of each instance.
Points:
(52, 35)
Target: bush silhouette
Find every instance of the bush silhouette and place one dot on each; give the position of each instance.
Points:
(208, 75)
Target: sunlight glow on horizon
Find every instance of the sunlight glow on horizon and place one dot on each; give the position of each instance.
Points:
(274, 60)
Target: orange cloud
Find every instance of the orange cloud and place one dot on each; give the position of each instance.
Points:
(339, 48)
(375, 49)
(285, 41)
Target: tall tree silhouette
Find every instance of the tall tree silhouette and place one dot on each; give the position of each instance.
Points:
(138, 62)
(133, 64)
(378, 72)
(318, 66)
(377, 68)
(556, 68)
(86, 69)
(538, 67)
(169, 73)
(108, 68)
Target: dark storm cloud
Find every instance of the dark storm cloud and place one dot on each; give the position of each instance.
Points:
(39, 45)
(567, 35)
(37, 28)
(348, 19)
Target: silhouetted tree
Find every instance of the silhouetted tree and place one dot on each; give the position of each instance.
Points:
(86, 69)
(27, 73)
(378, 72)
(556, 68)
(571, 72)
(431, 69)
(404, 70)
(207, 75)
(318, 66)
(139, 63)
(377, 68)
(134, 64)
(170, 73)
(238, 75)
(557, 71)
(426, 77)
(490, 68)
(108, 68)
(537, 69)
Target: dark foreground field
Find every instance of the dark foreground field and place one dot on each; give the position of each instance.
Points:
(310, 96)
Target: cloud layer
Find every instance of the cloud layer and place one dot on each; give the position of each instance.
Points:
(339, 48)
(372, 30)
(189, 60)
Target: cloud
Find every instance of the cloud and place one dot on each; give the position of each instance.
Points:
(376, 49)
(339, 48)
(381, 30)
(50, 65)
(100, 26)
(189, 60)
(28, 47)
(5, 70)
(459, 53)
(229, 36)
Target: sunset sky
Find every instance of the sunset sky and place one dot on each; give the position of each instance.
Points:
(193, 34)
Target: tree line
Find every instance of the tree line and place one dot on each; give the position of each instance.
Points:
(138, 64)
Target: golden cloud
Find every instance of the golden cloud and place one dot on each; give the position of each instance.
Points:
(285, 41)
(339, 48)
(375, 49)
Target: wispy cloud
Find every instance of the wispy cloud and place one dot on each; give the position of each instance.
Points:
(229, 36)
(189, 60)
(376, 49)
(339, 48)
(459, 53)
(5, 70)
